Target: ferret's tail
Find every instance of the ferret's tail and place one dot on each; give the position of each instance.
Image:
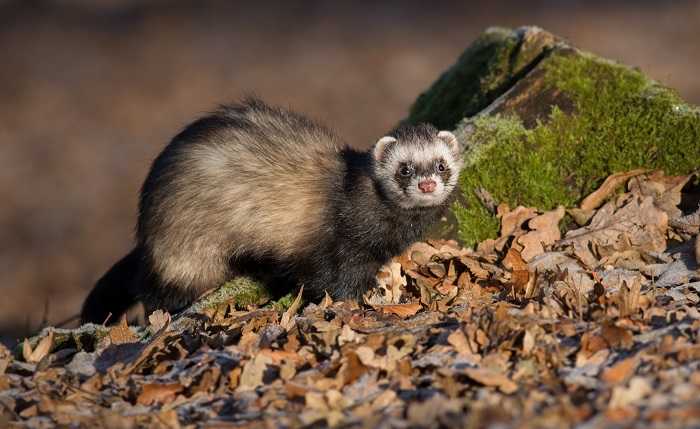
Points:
(115, 292)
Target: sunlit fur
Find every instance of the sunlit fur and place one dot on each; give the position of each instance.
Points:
(263, 191)
(416, 146)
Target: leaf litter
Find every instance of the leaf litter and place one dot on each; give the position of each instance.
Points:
(594, 327)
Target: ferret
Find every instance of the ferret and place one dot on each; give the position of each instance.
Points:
(262, 191)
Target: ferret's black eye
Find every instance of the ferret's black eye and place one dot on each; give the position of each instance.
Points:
(441, 167)
(406, 170)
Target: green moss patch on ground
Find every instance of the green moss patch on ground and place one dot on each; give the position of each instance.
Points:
(622, 120)
(244, 291)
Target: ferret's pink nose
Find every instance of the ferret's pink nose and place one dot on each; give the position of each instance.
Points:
(427, 186)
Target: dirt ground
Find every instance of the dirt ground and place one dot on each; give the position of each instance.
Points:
(90, 94)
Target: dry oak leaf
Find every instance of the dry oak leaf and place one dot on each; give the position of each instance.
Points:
(391, 280)
(158, 319)
(326, 302)
(420, 252)
(597, 197)
(544, 232)
(528, 342)
(253, 370)
(639, 387)
(521, 274)
(491, 378)
(475, 267)
(636, 224)
(158, 393)
(665, 190)
(621, 371)
(401, 310)
(287, 321)
(512, 220)
(40, 351)
(616, 336)
(459, 341)
(121, 333)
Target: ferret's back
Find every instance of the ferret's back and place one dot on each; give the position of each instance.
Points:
(248, 180)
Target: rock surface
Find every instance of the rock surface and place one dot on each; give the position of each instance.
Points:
(545, 123)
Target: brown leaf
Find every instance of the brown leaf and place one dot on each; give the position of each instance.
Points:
(253, 370)
(401, 310)
(521, 275)
(597, 197)
(392, 282)
(40, 351)
(158, 393)
(617, 337)
(474, 267)
(279, 356)
(636, 224)
(459, 341)
(158, 319)
(351, 368)
(287, 321)
(665, 191)
(591, 343)
(544, 232)
(528, 342)
(621, 371)
(512, 221)
(421, 253)
(489, 377)
(121, 334)
(327, 301)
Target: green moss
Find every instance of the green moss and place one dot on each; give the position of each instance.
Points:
(243, 291)
(481, 73)
(621, 121)
(284, 302)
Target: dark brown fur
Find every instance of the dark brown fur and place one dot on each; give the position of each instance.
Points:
(264, 191)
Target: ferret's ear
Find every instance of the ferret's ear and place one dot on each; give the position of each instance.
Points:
(450, 139)
(381, 147)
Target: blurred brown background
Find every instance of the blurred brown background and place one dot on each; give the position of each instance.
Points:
(90, 91)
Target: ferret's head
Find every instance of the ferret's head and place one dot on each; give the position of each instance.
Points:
(417, 166)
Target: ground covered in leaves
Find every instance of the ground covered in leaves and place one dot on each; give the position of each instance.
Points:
(596, 326)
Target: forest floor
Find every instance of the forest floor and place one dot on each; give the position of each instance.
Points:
(586, 317)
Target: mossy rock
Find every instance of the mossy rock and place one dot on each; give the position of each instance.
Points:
(566, 120)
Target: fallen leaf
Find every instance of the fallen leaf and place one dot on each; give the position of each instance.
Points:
(158, 393)
(528, 342)
(639, 387)
(158, 319)
(287, 321)
(665, 191)
(327, 301)
(475, 267)
(40, 351)
(401, 310)
(392, 281)
(492, 378)
(612, 182)
(512, 221)
(252, 374)
(421, 253)
(544, 231)
(121, 334)
(347, 335)
(621, 371)
(636, 224)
